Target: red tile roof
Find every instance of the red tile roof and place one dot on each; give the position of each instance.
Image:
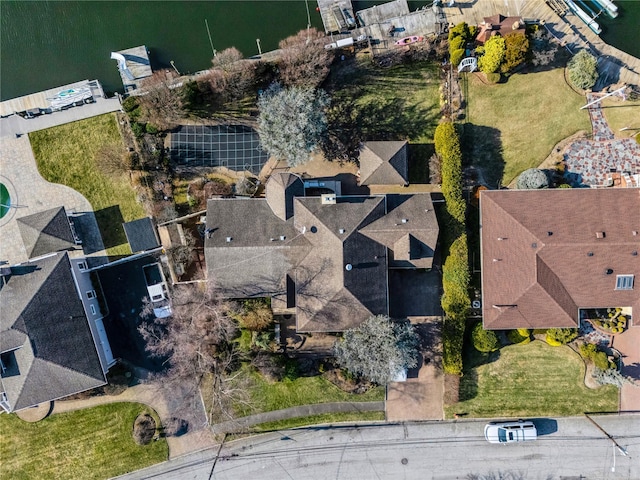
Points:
(542, 258)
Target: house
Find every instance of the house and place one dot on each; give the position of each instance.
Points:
(325, 258)
(499, 25)
(384, 163)
(52, 338)
(548, 254)
(52, 342)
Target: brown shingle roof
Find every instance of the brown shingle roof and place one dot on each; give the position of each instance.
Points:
(542, 259)
(384, 163)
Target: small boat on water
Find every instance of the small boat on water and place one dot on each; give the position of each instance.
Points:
(608, 6)
(409, 40)
(591, 23)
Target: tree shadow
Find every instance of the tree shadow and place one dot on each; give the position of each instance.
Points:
(110, 221)
(472, 359)
(482, 149)
(419, 155)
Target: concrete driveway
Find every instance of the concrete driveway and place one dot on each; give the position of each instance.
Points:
(628, 343)
(421, 396)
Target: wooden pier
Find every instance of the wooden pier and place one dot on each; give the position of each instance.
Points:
(137, 67)
(337, 15)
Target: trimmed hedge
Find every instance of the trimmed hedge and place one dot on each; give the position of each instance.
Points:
(452, 340)
(455, 280)
(562, 336)
(447, 143)
(521, 336)
(484, 340)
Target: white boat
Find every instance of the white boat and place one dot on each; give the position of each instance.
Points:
(591, 23)
(608, 6)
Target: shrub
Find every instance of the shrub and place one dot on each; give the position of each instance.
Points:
(494, 50)
(129, 104)
(601, 361)
(561, 335)
(493, 77)
(455, 280)
(583, 70)
(611, 377)
(452, 340)
(144, 429)
(588, 350)
(520, 336)
(447, 143)
(532, 179)
(457, 56)
(516, 50)
(484, 340)
(460, 30)
(255, 315)
(151, 128)
(552, 342)
(138, 129)
(456, 43)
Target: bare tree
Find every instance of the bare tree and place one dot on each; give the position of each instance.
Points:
(161, 101)
(196, 341)
(225, 59)
(304, 62)
(113, 159)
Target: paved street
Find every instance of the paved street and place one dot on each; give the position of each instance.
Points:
(568, 448)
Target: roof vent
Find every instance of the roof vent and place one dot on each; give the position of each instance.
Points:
(341, 230)
(348, 267)
(405, 220)
(600, 234)
(608, 271)
(634, 233)
(229, 239)
(501, 238)
(272, 239)
(549, 233)
(328, 199)
(282, 238)
(534, 245)
(589, 254)
(497, 259)
(634, 253)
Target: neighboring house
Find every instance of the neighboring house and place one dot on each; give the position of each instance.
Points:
(384, 163)
(326, 258)
(499, 25)
(52, 341)
(548, 254)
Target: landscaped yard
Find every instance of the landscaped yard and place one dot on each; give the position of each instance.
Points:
(500, 135)
(66, 155)
(397, 103)
(621, 114)
(531, 380)
(93, 443)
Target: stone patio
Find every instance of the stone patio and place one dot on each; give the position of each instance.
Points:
(590, 162)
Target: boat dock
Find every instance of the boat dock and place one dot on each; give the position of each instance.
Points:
(337, 15)
(615, 66)
(134, 66)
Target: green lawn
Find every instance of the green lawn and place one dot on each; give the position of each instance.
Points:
(514, 126)
(530, 380)
(319, 419)
(397, 103)
(287, 393)
(622, 114)
(92, 443)
(66, 155)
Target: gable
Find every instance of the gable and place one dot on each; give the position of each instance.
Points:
(46, 232)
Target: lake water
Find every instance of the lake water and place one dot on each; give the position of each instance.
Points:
(44, 44)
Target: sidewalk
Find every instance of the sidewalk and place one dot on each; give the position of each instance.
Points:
(295, 412)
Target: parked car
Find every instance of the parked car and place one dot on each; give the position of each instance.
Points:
(157, 289)
(510, 432)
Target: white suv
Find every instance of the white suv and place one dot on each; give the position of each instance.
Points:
(157, 289)
(510, 432)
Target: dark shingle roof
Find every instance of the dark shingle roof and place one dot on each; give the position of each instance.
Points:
(46, 232)
(141, 234)
(58, 357)
(384, 163)
(542, 258)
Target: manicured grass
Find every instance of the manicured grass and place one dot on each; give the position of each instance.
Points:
(320, 419)
(287, 393)
(66, 155)
(622, 114)
(530, 380)
(520, 121)
(92, 443)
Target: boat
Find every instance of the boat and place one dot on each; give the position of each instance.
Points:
(591, 23)
(409, 40)
(608, 6)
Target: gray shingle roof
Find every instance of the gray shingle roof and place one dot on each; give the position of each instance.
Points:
(141, 234)
(46, 232)
(58, 357)
(384, 163)
(280, 190)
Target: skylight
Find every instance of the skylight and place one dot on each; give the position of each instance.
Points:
(624, 282)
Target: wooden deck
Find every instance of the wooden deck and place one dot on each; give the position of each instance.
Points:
(138, 64)
(615, 65)
(334, 14)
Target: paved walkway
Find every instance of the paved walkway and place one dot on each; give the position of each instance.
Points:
(628, 343)
(167, 406)
(240, 424)
(590, 162)
(30, 193)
